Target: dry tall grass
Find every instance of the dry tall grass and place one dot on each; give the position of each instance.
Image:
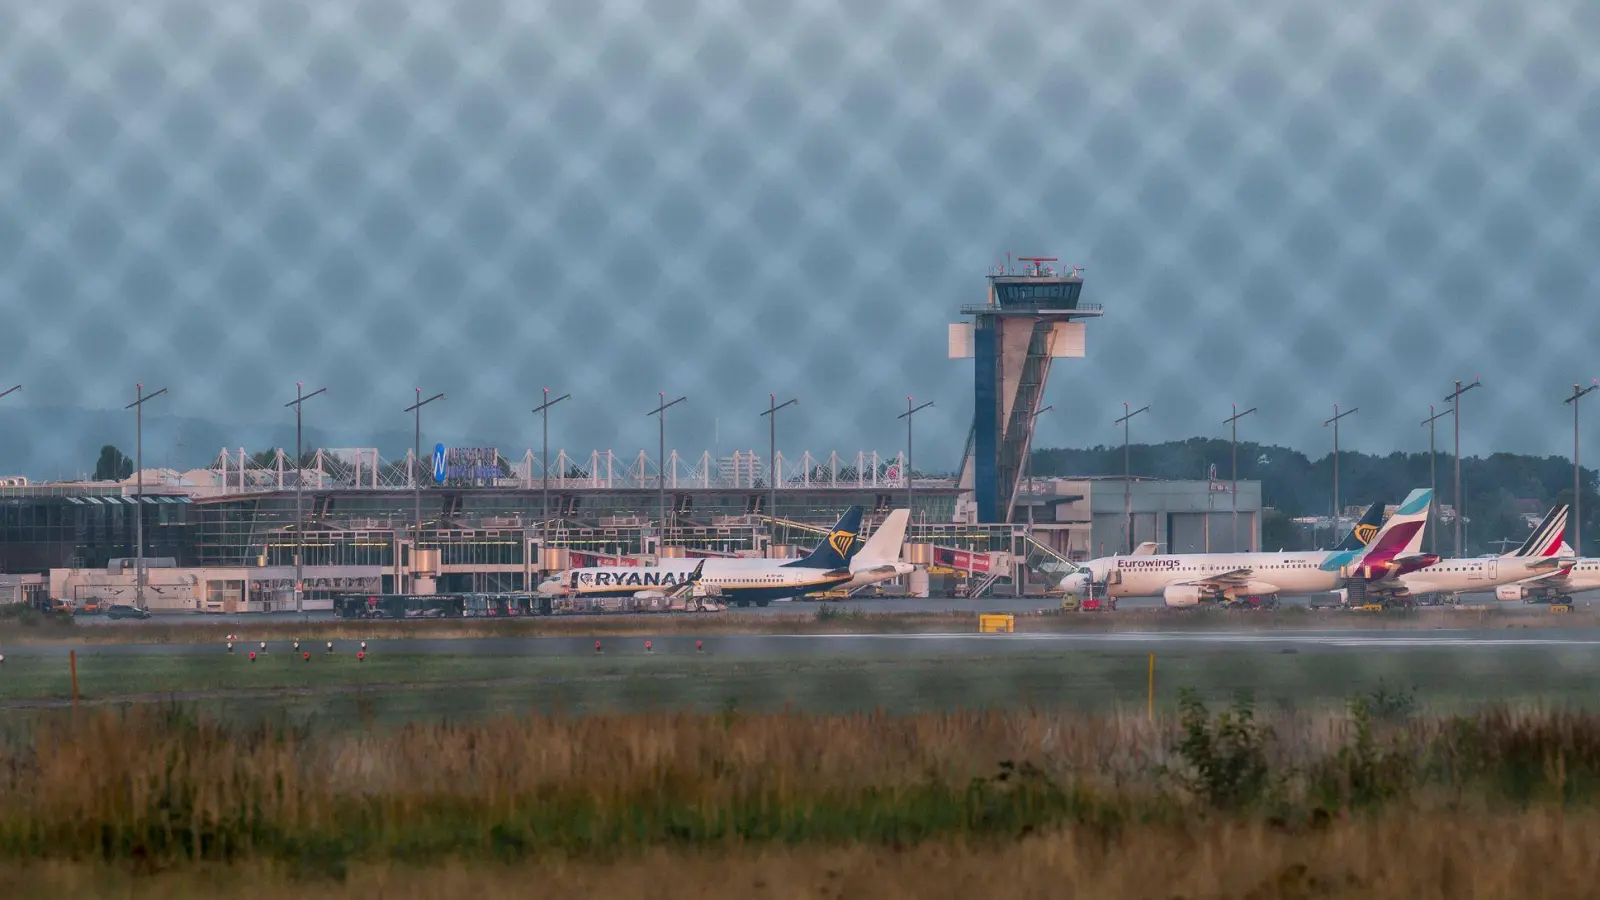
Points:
(1536, 854)
(161, 787)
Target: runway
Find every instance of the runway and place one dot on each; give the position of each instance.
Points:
(431, 679)
(885, 646)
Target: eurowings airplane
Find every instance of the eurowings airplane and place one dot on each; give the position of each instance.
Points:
(1186, 580)
(1539, 554)
(1571, 575)
(741, 581)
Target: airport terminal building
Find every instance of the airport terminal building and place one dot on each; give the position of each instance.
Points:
(224, 538)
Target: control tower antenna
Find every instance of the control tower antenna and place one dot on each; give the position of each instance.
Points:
(1031, 318)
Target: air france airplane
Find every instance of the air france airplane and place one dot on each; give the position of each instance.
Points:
(1539, 554)
(1186, 580)
(1571, 575)
(741, 581)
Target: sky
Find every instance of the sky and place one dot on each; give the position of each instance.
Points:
(1284, 206)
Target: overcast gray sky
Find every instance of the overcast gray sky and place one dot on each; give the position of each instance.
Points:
(1286, 205)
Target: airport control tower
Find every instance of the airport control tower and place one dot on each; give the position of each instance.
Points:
(1033, 316)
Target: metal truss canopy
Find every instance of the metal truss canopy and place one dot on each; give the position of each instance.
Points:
(235, 472)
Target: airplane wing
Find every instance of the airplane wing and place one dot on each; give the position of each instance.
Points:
(1555, 563)
(1554, 579)
(1221, 580)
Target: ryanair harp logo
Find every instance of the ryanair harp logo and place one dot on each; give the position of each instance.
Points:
(1365, 533)
(841, 542)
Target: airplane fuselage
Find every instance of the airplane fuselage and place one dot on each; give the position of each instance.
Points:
(1456, 576)
(1269, 573)
(1583, 575)
(739, 580)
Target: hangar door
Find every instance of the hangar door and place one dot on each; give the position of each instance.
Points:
(1187, 532)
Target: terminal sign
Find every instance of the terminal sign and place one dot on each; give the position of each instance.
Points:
(466, 465)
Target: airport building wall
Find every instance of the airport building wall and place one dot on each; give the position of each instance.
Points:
(1179, 516)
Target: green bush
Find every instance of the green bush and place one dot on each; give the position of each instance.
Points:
(1226, 759)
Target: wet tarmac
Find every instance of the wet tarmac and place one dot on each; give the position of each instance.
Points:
(880, 646)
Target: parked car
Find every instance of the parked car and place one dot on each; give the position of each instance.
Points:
(127, 612)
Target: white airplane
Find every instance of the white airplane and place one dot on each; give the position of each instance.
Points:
(1571, 575)
(1538, 554)
(879, 558)
(742, 581)
(1186, 580)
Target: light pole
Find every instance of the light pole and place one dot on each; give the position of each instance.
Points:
(1454, 399)
(1577, 482)
(1335, 423)
(1233, 422)
(543, 410)
(910, 413)
(138, 468)
(1433, 479)
(416, 477)
(660, 412)
(299, 478)
(1127, 470)
(772, 463)
(10, 390)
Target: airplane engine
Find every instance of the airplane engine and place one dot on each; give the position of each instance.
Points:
(650, 595)
(1257, 589)
(1510, 592)
(1180, 596)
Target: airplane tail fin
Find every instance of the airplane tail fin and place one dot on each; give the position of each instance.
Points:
(838, 548)
(1548, 539)
(885, 544)
(1365, 530)
(1148, 548)
(1402, 534)
(688, 584)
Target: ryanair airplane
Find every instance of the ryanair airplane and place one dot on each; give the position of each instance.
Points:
(741, 581)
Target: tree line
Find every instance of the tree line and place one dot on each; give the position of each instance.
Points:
(1294, 485)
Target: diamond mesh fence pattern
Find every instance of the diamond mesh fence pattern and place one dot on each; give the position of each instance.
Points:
(1286, 205)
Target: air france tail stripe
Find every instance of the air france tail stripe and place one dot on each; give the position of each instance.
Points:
(1554, 541)
(1547, 539)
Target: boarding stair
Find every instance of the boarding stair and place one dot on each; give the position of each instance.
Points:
(983, 584)
(1044, 563)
